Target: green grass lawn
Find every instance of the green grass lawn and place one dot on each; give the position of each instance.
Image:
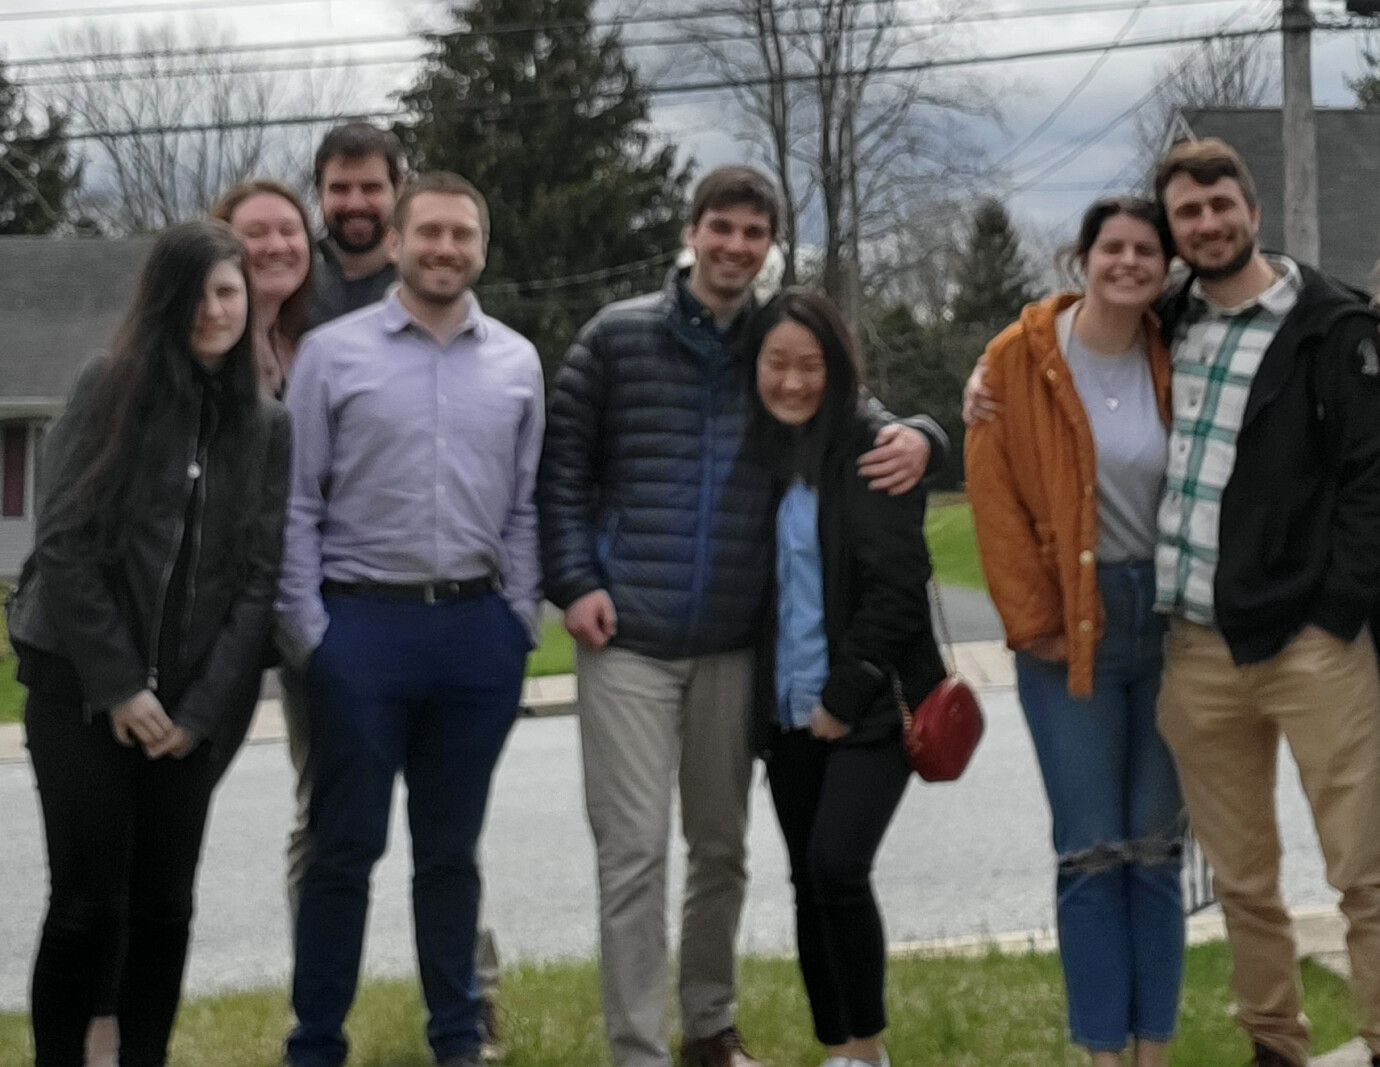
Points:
(11, 692)
(555, 654)
(1005, 1010)
(949, 532)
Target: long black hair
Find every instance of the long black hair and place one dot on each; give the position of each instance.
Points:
(152, 370)
(803, 450)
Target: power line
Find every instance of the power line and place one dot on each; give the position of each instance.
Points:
(673, 89)
(1127, 170)
(1073, 93)
(1071, 152)
(544, 285)
(87, 77)
(54, 15)
(1108, 6)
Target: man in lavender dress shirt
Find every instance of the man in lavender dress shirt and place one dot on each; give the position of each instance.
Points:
(409, 597)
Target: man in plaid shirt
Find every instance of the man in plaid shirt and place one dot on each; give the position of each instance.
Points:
(1269, 564)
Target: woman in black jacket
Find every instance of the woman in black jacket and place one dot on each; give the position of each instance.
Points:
(140, 623)
(850, 613)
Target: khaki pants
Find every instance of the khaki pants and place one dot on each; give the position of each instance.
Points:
(1223, 724)
(646, 725)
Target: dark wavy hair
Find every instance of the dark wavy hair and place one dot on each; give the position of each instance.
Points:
(803, 450)
(151, 370)
(1071, 257)
(292, 316)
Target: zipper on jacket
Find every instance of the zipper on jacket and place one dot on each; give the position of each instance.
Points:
(705, 510)
(204, 474)
(161, 601)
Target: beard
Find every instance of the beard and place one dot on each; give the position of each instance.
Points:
(1235, 265)
(335, 229)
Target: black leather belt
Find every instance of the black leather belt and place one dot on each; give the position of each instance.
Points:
(426, 592)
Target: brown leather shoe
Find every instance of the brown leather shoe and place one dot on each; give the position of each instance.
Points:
(724, 1049)
(1265, 1056)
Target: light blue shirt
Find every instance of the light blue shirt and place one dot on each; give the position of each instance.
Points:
(802, 650)
(412, 461)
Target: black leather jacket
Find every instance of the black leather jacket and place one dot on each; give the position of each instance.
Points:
(103, 611)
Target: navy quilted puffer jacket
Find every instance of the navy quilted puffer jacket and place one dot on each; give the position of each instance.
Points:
(646, 489)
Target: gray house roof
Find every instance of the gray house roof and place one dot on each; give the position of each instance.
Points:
(61, 300)
(1348, 179)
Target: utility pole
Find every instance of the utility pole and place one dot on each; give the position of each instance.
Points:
(1300, 136)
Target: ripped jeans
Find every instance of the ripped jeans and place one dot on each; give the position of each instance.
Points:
(1118, 823)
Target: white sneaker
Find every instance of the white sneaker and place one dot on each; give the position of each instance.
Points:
(853, 1061)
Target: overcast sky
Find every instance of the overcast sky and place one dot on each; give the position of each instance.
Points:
(1028, 90)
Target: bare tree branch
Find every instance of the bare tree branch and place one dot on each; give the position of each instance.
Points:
(149, 181)
(839, 128)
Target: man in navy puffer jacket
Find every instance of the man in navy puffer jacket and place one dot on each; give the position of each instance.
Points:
(656, 542)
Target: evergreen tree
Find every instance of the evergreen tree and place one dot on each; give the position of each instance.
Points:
(549, 120)
(921, 366)
(37, 173)
(994, 278)
(1366, 84)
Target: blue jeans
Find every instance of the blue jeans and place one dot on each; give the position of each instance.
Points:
(431, 690)
(1118, 822)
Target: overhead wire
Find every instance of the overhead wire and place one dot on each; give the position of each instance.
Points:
(706, 13)
(1125, 172)
(1073, 93)
(1070, 152)
(671, 89)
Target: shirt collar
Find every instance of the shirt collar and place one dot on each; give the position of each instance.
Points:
(692, 307)
(1278, 300)
(397, 318)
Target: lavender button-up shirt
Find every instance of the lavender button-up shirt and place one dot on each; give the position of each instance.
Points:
(412, 461)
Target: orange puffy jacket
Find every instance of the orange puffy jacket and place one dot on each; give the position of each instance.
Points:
(1032, 481)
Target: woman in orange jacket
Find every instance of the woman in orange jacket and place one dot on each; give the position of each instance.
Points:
(1065, 483)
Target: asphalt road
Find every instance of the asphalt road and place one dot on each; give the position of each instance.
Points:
(965, 858)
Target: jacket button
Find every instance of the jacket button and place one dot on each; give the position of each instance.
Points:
(1050, 374)
(194, 471)
(1087, 490)
(1086, 557)
(1085, 627)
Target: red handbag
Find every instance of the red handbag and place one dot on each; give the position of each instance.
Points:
(941, 733)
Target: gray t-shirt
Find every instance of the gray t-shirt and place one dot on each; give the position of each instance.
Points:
(1132, 446)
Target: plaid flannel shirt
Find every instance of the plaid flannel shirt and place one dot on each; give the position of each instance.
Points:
(1216, 354)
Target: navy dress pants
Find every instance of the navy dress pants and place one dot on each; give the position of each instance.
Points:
(430, 690)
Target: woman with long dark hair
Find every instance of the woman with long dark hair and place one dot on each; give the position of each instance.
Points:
(849, 620)
(271, 222)
(1064, 484)
(140, 623)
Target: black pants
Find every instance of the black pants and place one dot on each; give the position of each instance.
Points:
(834, 803)
(124, 836)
